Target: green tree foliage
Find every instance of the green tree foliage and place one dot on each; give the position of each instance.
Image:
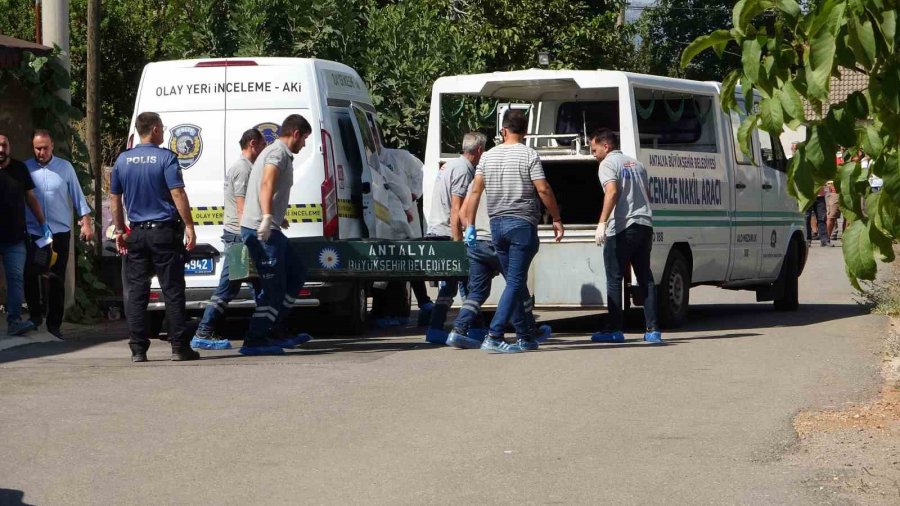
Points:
(790, 58)
(669, 26)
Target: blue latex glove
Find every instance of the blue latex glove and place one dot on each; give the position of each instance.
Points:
(469, 236)
(46, 234)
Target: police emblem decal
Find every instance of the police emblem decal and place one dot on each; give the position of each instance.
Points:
(270, 131)
(187, 144)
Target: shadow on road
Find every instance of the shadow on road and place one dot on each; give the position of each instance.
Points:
(720, 321)
(10, 497)
(717, 318)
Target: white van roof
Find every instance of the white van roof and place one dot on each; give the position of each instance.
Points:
(534, 84)
(260, 61)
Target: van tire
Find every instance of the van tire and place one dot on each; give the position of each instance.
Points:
(350, 315)
(673, 291)
(788, 278)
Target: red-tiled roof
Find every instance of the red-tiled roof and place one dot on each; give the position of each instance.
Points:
(849, 82)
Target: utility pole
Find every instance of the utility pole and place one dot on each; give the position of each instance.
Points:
(620, 19)
(93, 117)
(38, 36)
(55, 21)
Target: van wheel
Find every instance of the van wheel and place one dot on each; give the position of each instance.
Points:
(352, 312)
(788, 278)
(673, 292)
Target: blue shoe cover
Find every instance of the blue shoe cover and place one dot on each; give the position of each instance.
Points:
(293, 341)
(424, 317)
(608, 337)
(653, 337)
(543, 334)
(499, 346)
(264, 349)
(436, 336)
(463, 341)
(209, 343)
(527, 344)
(383, 323)
(403, 321)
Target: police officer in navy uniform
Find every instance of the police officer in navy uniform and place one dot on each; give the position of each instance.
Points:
(148, 179)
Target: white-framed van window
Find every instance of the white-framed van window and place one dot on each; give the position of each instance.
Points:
(771, 152)
(737, 117)
(677, 121)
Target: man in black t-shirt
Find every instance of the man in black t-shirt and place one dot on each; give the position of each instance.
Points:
(16, 191)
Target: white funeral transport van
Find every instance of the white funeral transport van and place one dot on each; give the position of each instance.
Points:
(207, 104)
(720, 218)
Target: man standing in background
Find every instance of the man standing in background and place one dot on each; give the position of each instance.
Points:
(60, 195)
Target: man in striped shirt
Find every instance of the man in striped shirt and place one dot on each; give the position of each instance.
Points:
(513, 179)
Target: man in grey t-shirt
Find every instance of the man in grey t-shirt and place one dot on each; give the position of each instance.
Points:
(450, 190)
(513, 179)
(626, 230)
(280, 270)
(252, 144)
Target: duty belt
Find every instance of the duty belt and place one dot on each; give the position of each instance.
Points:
(153, 224)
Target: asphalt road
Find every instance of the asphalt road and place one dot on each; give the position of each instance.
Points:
(391, 420)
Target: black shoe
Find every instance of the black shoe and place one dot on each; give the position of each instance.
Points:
(139, 357)
(57, 333)
(184, 355)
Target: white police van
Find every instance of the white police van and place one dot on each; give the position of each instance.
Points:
(720, 218)
(207, 104)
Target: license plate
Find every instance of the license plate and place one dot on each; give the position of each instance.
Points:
(198, 266)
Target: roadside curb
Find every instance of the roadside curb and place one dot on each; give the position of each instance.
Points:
(8, 342)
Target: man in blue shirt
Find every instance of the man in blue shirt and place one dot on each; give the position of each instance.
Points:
(148, 179)
(59, 193)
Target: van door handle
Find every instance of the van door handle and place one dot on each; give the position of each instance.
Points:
(766, 186)
(740, 186)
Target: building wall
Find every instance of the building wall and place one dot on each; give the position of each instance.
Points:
(15, 119)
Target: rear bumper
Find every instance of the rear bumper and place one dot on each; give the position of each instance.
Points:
(196, 299)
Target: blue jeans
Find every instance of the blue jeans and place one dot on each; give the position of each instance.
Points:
(225, 292)
(484, 266)
(14, 266)
(516, 243)
(281, 274)
(631, 246)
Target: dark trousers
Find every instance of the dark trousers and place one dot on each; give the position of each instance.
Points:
(225, 292)
(281, 275)
(54, 290)
(391, 301)
(819, 210)
(484, 266)
(516, 243)
(159, 251)
(631, 246)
